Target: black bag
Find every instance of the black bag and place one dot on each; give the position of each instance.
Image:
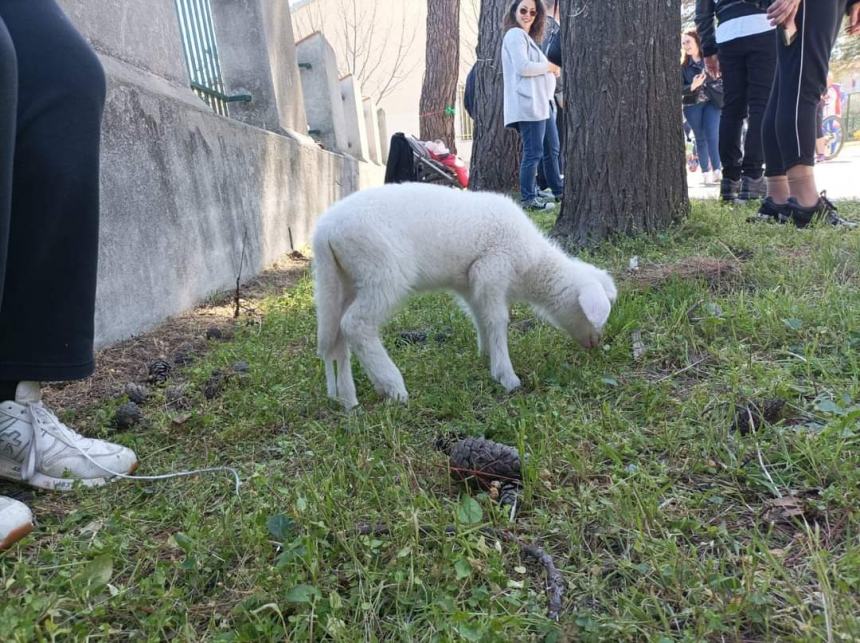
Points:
(713, 88)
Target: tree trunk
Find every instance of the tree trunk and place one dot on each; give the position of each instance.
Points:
(439, 92)
(624, 163)
(496, 149)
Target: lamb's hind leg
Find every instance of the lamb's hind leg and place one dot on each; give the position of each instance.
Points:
(360, 325)
(345, 383)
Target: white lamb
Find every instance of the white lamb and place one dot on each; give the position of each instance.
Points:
(376, 247)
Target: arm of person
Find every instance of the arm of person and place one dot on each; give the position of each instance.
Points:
(705, 14)
(853, 25)
(517, 45)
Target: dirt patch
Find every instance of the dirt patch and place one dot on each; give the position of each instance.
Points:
(719, 274)
(178, 340)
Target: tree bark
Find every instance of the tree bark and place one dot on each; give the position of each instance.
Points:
(439, 91)
(624, 163)
(496, 149)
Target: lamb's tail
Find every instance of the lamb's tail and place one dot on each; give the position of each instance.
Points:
(331, 298)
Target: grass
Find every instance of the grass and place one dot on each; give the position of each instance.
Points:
(666, 523)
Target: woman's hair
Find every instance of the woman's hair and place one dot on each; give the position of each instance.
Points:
(685, 57)
(538, 26)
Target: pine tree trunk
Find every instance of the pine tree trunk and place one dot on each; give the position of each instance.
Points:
(439, 91)
(496, 149)
(624, 164)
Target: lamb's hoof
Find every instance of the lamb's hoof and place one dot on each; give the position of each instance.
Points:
(396, 395)
(510, 384)
(349, 404)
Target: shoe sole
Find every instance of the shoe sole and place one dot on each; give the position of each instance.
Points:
(15, 535)
(41, 481)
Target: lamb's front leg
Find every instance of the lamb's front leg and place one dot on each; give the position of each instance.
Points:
(492, 315)
(361, 325)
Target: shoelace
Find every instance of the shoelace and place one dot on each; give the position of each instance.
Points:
(43, 418)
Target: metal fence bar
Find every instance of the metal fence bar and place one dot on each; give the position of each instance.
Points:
(216, 59)
(201, 53)
(212, 77)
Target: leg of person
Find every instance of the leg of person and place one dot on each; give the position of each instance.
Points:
(532, 133)
(711, 118)
(773, 208)
(804, 66)
(551, 151)
(16, 521)
(562, 139)
(695, 117)
(760, 67)
(732, 56)
(46, 315)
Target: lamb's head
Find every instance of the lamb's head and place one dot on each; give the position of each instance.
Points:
(583, 303)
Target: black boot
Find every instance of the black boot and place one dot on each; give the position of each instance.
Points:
(752, 188)
(729, 190)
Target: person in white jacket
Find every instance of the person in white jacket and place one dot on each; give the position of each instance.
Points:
(530, 81)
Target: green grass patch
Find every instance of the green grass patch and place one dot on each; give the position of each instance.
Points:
(666, 523)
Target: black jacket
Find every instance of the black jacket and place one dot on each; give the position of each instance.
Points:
(722, 10)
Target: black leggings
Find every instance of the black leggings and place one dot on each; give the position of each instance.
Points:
(789, 129)
(52, 91)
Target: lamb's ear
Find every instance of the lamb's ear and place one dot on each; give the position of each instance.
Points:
(595, 304)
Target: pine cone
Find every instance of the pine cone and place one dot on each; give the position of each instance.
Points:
(176, 397)
(757, 413)
(184, 355)
(214, 385)
(484, 461)
(137, 393)
(127, 416)
(159, 371)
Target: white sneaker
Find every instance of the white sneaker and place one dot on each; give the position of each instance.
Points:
(36, 448)
(16, 521)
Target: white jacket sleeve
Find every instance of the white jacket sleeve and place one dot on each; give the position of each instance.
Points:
(517, 45)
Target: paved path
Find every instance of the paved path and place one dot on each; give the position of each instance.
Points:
(840, 177)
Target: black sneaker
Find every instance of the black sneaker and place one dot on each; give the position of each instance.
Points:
(752, 188)
(770, 212)
(823, 212)
(729, 189)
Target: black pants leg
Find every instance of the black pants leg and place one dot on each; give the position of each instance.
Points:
(748, 67)
(8, 108)
(789, 124)
(47, 310)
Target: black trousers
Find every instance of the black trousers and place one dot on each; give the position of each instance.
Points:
(789, 129)
(52, 91)
(748, 66)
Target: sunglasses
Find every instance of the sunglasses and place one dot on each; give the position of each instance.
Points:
(528, 12)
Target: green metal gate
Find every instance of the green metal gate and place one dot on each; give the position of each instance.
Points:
(201, 54)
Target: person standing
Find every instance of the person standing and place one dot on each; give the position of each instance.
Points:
(553, 141)
(529, 87)
(741, 49)
(701, 112)
(807, 31)
(52, 92)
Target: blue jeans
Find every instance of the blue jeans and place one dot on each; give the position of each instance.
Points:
(532, 134)
(704, 118)
(551, 151)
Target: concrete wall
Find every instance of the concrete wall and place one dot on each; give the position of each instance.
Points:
(321, 89)
(183, 189)
(356, 130)
(371, 125)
